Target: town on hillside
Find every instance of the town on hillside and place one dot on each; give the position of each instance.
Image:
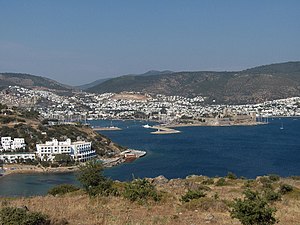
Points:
(131, 105)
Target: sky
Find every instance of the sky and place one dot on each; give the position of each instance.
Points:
(76, 42)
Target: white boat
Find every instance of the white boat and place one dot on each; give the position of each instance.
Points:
(281, 128)
(147, 126)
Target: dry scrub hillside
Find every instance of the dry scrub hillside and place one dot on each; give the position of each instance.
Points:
(78, 208)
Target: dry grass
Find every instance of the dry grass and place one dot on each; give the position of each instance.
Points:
(78, 208)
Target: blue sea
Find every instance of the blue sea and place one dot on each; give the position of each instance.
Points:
(247, 151)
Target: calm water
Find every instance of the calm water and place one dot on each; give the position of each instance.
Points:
(246, 150)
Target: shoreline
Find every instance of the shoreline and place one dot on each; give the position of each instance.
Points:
(10, 169)
(125, 156)
(213, 125)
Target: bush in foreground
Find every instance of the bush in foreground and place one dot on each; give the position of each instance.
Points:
(91, 177)
(253, 210)
(190, 195)
(141, 190)
(285, 188)
(274, 177)
(221, 182)
(231, 176)
(20, 216)
(62, 189)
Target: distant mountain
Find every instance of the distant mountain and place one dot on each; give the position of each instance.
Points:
(92, 84)
(254, 85)
(100, 81)
(30, 81)
(155, 72)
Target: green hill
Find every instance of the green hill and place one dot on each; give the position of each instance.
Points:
(254, 85)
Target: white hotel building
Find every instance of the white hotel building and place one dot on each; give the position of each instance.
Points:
(80, 151)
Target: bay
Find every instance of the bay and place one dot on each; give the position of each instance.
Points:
(247, 151)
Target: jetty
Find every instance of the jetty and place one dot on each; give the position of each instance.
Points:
(106, 128)
(164, 130)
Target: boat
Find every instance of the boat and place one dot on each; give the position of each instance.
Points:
(147, 126)
(281, 128)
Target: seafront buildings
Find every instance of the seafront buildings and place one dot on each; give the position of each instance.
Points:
(12, 150)
(80, 151)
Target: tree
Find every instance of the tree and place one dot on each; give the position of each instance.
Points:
(91, 177)
(64, 159)
(253, 210)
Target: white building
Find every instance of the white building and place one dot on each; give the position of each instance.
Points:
(80, 151)
(16, 144)
(16, 157)
(6, 143)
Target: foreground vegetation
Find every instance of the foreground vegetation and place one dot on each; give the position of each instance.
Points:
(193, 200)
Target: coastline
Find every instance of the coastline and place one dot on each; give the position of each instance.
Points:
(123, 157)
(213, 125)
(10, 169)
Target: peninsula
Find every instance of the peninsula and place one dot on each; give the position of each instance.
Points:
(30, 144)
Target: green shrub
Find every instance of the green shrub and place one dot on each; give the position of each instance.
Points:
(45, 163)
(62, 189)
(253, 209)
(266, 182)
(191, 194)
(295, 177)
(248, 184)
(231, 176)
(221, 182)
(104, 188)
(271, 195)
(285, 188)
(20, 216)
(141, 190)
(208, 181)
(274, 177)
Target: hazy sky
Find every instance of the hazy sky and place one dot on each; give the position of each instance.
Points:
(76, 42)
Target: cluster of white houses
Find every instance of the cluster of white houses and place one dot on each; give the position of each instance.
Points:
(80, 151)
(9, 144)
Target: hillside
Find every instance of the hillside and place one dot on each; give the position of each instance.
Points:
(254, 85)
(100, 81)
(26, 124)
(30, 81)
(212, 208)
(92, 84)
